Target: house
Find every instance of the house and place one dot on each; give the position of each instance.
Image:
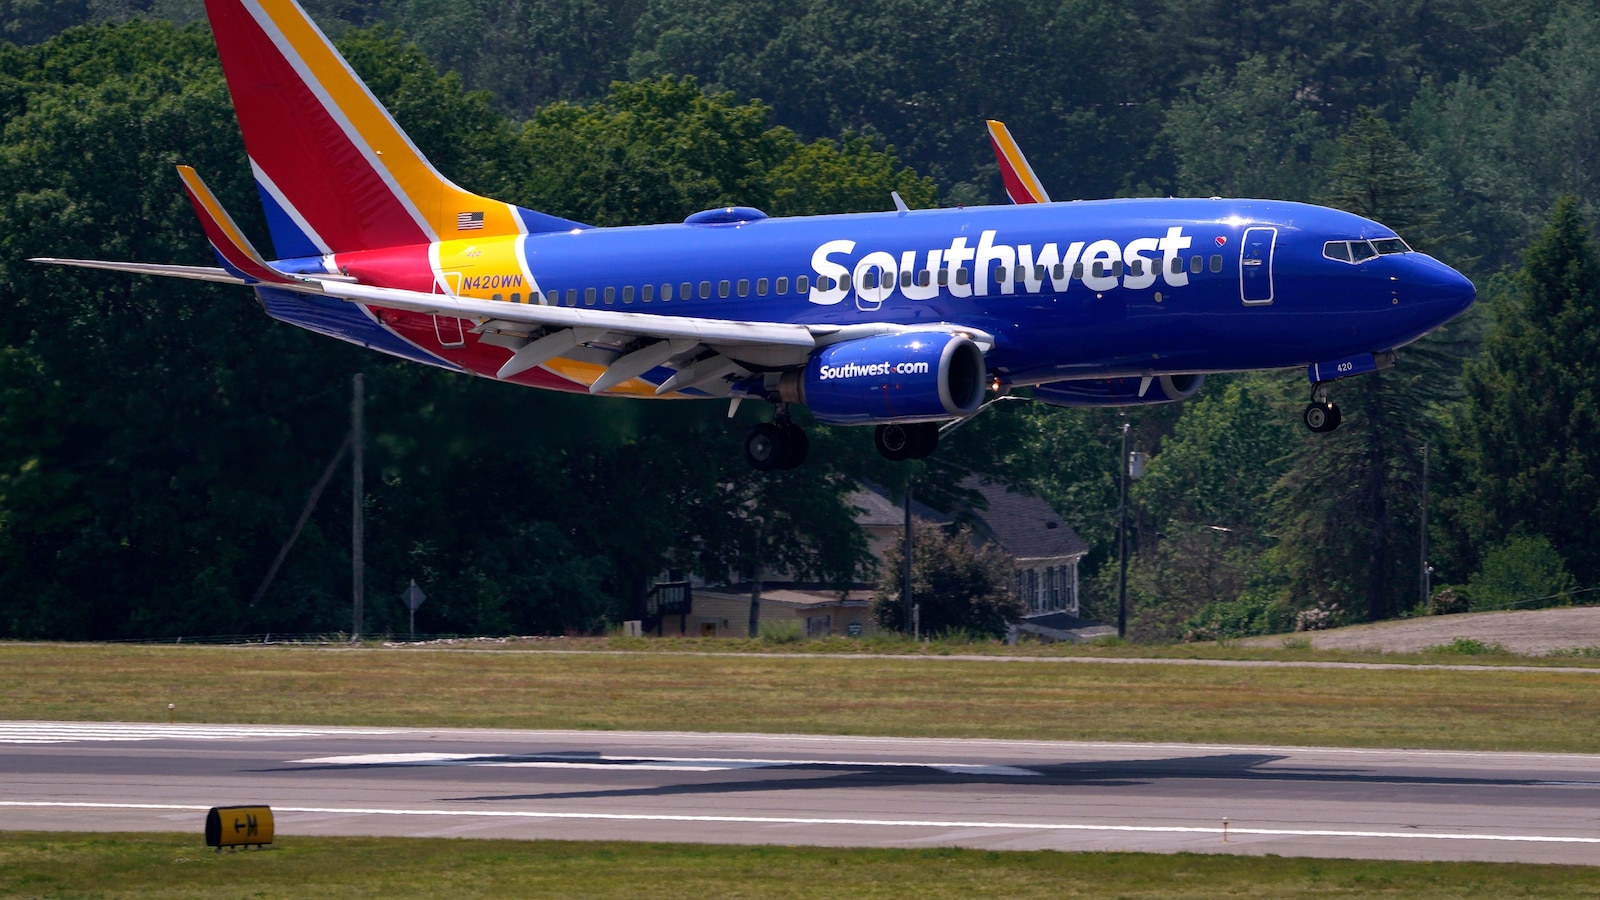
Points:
(1044, 553)
(1044, 550)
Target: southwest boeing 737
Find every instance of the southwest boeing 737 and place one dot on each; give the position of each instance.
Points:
(903, 319)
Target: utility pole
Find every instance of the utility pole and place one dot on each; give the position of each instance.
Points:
(357, 524)
(1122, 540)
(1426, 571)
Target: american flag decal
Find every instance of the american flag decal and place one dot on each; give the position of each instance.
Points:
(469, 221)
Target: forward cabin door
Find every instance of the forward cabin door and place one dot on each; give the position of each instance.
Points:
(1255, 265)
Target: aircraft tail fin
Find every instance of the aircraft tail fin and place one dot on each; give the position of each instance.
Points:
(334, 170)
(1021, 184)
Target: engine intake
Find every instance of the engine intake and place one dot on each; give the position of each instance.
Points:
(922, 376)
(1119, 391)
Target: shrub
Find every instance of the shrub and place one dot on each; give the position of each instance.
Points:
(1467, 647)
(1525, 572)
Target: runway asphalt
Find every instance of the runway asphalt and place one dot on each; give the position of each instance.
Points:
(806, 789)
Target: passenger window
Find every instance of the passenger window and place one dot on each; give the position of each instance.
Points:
(1077, 270)
(924, 278)
(1099, 270)
(962, 276)
(1177, 265)
(1361, 250)
(611, 295)
(1060, 271)
(705, 290)
(516, 297)
(761, 287)
(1197, 263)
(1038, 273)
(783, 288)
(1116, 268)
(1000, 274)
(684, 292)
(1216, 263)
(744, 287)
(572, 296)
(588, 296)
(1339, 250)
(944, 277)
(497, 297)
(722, 288)
(802, 284)
(648, 292)
(1136, 267)
(627, 294)
(905, 279)
(1022, 273)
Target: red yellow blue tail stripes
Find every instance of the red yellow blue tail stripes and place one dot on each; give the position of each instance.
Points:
(334, 169)
(1021, 184)
(232, 247)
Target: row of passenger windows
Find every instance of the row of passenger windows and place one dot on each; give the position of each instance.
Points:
(869, 279)
(1361, 251)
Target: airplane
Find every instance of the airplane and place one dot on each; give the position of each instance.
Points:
(903, 320)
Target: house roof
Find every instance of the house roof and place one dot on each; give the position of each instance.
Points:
(1025, 527)
(878, 511)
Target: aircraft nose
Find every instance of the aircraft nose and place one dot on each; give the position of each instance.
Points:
(1442, 289)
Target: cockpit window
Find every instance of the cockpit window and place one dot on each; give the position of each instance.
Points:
(1360, 251)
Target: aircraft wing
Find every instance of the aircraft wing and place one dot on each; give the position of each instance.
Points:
(538, 333)
(706, 330)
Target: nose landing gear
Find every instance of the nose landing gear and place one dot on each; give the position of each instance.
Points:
(1321, 416)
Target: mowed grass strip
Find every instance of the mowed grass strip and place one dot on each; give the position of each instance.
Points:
(36, 864)
(1418, 707)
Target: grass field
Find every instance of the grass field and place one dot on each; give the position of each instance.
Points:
(1420, 707)
(162, 865)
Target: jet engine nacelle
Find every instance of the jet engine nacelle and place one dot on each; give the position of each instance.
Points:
(1119, 391)
(922, 376)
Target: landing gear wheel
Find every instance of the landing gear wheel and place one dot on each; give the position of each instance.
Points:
(1323, 417)
(764, 447)
(893, 442)
(795, 446)
(897, 443)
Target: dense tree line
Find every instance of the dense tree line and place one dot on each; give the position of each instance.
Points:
(157, 440)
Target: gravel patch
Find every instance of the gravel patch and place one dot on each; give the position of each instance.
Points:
(1533, 632)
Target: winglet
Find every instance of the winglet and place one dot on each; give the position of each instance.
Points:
(232, 247)
(1021, 183)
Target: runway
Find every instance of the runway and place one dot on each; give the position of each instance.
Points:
(806, 789)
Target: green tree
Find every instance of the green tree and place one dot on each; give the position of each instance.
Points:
(959, 584)
(1347, 507)
(1511, 143)
(1525, 572)
(657, 150)
(1530, 423)
(1244, 133)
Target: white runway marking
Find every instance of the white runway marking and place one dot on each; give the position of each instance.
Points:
(640, 763)
(880, 823)
(68, 732)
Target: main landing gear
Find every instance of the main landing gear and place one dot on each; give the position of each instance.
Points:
(779, 444)
(902, 442)
(1321, 416)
